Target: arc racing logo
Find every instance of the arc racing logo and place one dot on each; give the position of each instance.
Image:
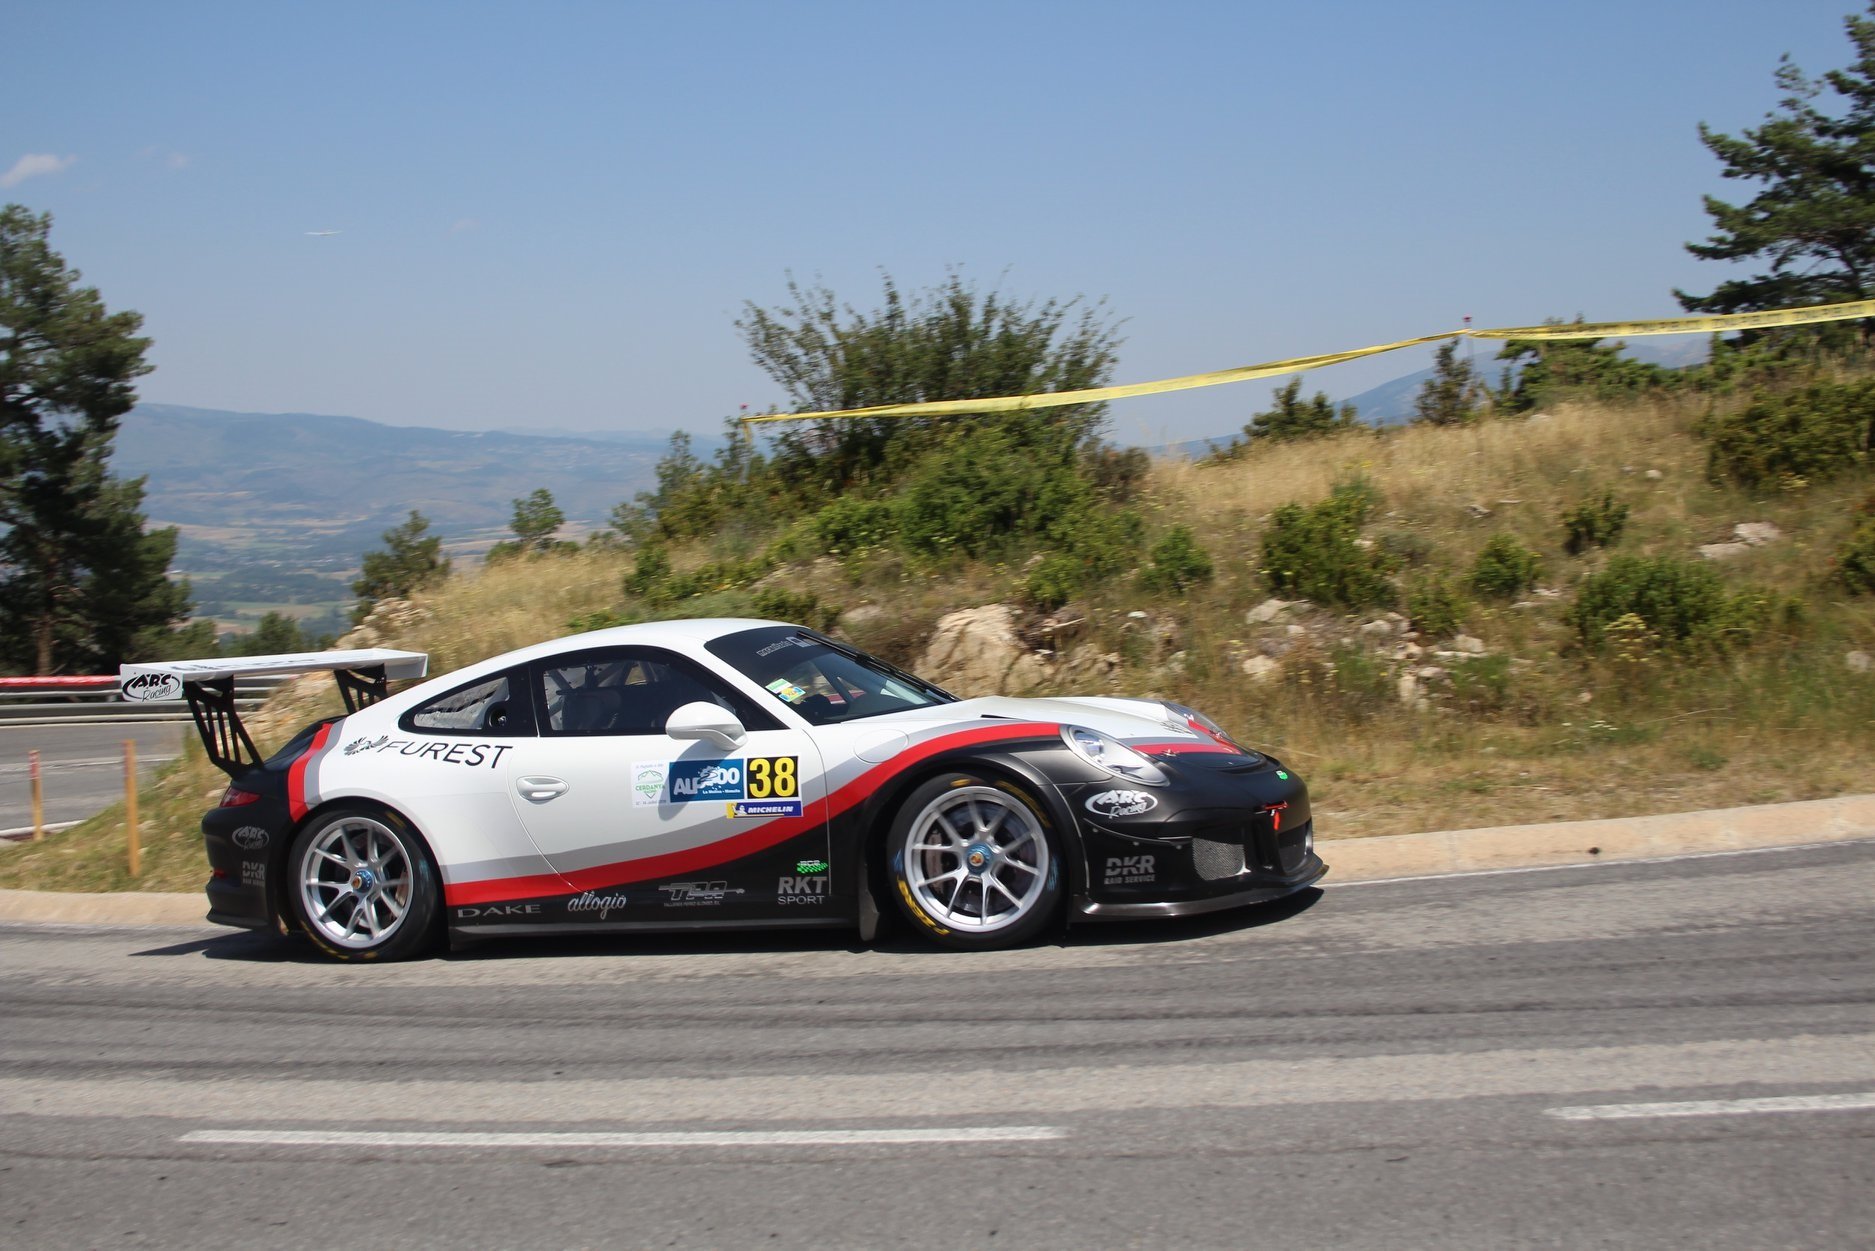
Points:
(1121, 803)
(153, 686)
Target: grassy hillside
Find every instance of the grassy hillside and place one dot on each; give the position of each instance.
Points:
(1496, 714)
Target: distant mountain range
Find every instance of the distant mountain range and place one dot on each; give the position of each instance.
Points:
(311, 492)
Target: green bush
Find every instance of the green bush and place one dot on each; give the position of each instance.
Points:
(1360, 682)
(650, 566)
(1055, 581)
(1854, 566)
(600, 619)
(1434, 608)
(1312, 552)
(1177, 563)
(799, 607)
(1682, 605)
(1593, 524)
(1789, 441)
(1505, 567)
(1092, 546)
(1407, 549)
(851, 524)
(1482, 683)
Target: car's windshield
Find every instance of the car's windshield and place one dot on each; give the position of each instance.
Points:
(822, 680)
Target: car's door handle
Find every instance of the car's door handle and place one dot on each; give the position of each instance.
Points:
(540, 788)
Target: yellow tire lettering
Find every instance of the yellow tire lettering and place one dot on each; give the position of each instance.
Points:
(905, 893)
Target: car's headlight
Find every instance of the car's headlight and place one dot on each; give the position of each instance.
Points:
(1110, 754)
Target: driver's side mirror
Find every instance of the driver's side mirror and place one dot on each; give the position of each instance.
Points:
(709, 722)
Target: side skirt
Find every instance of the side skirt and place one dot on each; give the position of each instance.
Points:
(562, 928)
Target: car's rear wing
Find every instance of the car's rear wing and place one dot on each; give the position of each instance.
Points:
(363, 677)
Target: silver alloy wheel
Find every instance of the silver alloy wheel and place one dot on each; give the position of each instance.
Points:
(976, 860)
(356, 882)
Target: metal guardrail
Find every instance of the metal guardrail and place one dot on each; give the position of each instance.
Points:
(94, 701)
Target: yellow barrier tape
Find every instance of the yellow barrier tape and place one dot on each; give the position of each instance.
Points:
(1811, 315)
(1716, 324)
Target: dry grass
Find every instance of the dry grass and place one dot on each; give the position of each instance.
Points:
(513, 604)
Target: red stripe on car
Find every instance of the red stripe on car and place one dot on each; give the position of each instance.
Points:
(759, 838)
(298, 802)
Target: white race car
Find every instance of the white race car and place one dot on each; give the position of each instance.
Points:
(720, 774)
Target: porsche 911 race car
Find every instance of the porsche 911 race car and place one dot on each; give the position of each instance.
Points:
(720, 774)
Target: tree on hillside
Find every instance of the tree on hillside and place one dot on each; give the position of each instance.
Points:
(1454, 394)
(276, 635)
(536, 520)
(1813, 222)
(1552, 368)
(1290, 417)
(412, 559)
(949, 343)
(83, 586)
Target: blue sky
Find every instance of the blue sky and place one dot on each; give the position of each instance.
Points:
(551, 214)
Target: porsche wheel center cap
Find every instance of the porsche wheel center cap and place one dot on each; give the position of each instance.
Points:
(978, 857)
(363, 880)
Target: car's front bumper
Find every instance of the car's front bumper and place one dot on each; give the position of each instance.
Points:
(1222, 833)
(1263, 890)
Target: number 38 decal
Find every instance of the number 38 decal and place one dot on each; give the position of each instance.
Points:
(773, 777)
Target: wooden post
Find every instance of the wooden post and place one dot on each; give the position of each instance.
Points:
(130, 806)
(39, 799)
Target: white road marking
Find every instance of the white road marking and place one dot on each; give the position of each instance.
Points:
(987, 1095)
(1718, 1107)
(695, 1138)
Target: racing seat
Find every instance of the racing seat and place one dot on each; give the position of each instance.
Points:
(592, 710)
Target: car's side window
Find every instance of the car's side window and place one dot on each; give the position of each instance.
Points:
(628, 691)
(490, 706)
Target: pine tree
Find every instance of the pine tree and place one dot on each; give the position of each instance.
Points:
(1554, 368)
(1813, 222)
(536, 520)
(412, 559)
(83, 585)
(1454, 394)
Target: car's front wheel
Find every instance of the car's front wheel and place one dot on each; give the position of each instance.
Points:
(972, 862)
(362, 886)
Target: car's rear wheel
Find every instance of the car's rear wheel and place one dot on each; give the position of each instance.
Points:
(362, 887)
(973, 863)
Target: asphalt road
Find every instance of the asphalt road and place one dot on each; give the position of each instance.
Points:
(82, 766)
(1448, 1063)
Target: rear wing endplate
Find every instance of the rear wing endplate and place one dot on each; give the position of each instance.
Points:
(363, 676)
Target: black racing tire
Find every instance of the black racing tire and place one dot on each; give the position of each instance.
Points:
(362, 886)
(973, 862)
